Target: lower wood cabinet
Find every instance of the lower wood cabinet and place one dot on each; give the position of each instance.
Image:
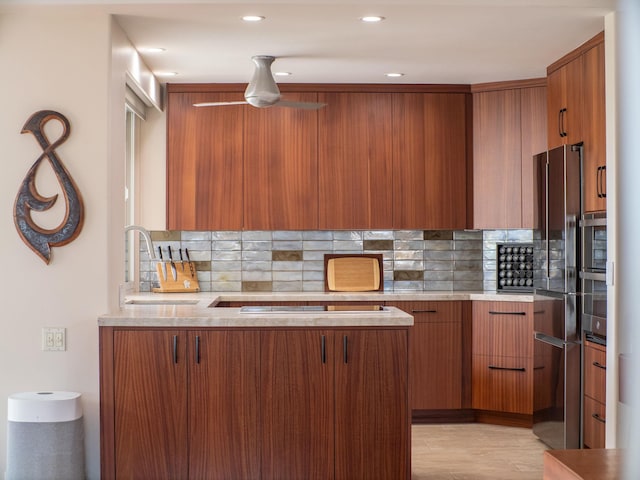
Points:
(594, 407)
(435, 354)
(254, 404)
(502, 362)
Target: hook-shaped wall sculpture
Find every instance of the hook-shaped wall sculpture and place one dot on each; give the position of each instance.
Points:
(39, 239)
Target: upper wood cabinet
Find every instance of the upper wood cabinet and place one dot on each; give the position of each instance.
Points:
(281, 167)
(576, 108)
(508, 129)
(355, 161)
(430, 160)
(594, 127)
(204, 162)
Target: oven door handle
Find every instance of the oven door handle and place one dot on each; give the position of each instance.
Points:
(549, 340)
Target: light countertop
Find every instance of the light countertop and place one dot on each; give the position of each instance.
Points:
(199, 309)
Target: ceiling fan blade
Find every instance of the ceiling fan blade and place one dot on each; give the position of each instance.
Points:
(301, 105)
(217, 104)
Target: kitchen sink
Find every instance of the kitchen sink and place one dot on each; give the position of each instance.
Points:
(161, 301)
(313, 309)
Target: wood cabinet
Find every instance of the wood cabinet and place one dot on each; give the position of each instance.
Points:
(430, 160)
(435, 354)
(594, 408)
(502, 362)
(281, 167)
(594, 127)
(387, 157)
(576, 109)
(254, 403)
(508, 129)
(185, 404)
(355, 161)
(204, 162)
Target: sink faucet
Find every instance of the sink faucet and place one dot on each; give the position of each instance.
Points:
(147, 239)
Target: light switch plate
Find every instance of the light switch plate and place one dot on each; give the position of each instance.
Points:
(54, 339)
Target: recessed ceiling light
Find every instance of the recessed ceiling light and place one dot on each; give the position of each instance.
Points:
(372, 19)
(165, 74)
(282, 74)
(394, 74)
(252, 18)
(153, 49)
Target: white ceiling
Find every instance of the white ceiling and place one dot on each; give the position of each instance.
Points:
(323, 41)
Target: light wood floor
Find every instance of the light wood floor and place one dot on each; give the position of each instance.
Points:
(475, 451)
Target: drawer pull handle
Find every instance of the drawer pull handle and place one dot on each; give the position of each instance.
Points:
(511, 369)
(598, 418)
(424, 311)
(175, 349)
(197, 348)
(491, 312)
(599, 365)
(345, 349)
(323, 349)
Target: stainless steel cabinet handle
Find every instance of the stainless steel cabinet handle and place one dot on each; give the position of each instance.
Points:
(491, 312)
(599, 365)
(601, 187)
(345, 349)
(512, 369)
(424, 311)
(323, 349)
(175, 349)
(197, 348)
(598, 418)
(563, 132)
(560, 122)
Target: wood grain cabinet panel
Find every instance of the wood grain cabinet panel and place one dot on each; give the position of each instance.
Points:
(503, 357)
(564, 104)
(595, 372)
(435, 354)
(281, 167)
(204, 162)
(150, 390)
(509, 127)
(355, 161)
(298, 427)
(594, 128)
(429, 160)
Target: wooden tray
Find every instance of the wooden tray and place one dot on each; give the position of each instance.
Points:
(353, 273)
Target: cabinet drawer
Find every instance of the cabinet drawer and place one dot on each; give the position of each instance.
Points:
(503, 384)
(594, 423)
(503, 329)
(595, 372)
(431, 312)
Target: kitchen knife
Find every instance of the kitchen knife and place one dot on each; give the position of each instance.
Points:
(181, 259)
(174, 271)
(186, 252)
(164, 266)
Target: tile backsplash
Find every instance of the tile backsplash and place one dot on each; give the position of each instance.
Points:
(293, 261)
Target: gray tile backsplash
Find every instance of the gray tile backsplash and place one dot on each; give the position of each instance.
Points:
(293, 261)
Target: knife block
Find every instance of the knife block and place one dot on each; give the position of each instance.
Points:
(186, 278)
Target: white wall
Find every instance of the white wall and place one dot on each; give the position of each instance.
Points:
(62, 59)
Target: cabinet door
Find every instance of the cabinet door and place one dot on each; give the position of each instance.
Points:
(497, 165)
(595, 156)
(595, 419)
(355, 161)
(564, 104)
(281, 167)
(372, 408)
(224, 405)
(297, 405)
(429, 161)
(150, 404)
(595, 372)
(204, 162)
(435, 354)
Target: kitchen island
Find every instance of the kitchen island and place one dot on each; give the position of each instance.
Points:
(189, 390)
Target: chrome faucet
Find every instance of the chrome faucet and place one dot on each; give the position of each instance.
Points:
(147, 239)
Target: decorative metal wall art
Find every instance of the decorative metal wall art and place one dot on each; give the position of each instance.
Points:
(39, 239)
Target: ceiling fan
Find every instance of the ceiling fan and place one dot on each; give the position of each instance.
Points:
(263, 91)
